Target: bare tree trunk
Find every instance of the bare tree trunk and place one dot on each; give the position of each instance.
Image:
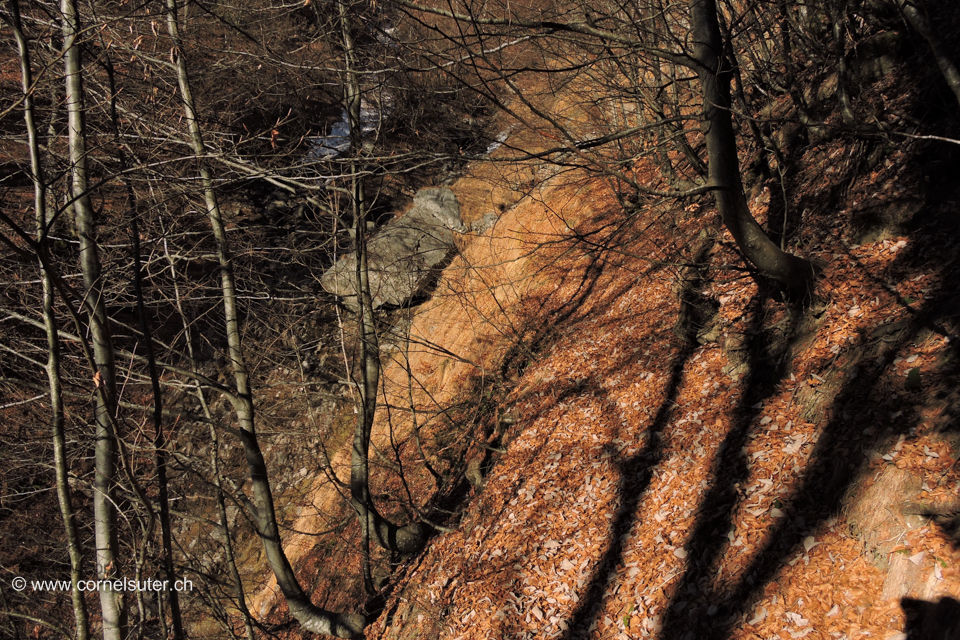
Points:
(915, 13)
(411, 538)
(111, 602)
(309, 616)
(714, 73)
(229, 558)
(837, 13)
(159, 438)
(81, 618)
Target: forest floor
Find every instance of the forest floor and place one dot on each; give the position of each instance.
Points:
(766, 469)
(791, 473)
(769, 469)
(788, 477)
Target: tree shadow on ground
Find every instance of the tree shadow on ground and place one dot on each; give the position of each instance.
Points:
(583, 292)
(856, 395)
(767, 364)
(636, 473)
(835, 464)
(932, 620)
(531, 333)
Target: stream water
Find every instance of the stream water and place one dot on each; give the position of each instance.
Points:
(337, 142)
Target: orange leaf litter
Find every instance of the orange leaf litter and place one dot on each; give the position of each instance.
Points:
(620, 430)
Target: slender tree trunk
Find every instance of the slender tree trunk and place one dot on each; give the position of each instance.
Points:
(714, 73)
(309, 616)
(81, 618)
(837, 13)
(112, 609)
(159, 438)
(229, 558)
(916, 15)
(411, 538)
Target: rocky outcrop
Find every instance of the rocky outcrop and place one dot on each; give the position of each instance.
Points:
(484, 223)
(405, 255)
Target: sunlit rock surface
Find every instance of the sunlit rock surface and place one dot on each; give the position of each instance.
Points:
(405, 255)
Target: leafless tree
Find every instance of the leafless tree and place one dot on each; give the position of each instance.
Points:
(67, 513)
(105, 378)
(310, 616)
(917, 15)
(641, 41)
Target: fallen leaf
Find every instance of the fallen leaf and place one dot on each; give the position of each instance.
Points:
(797, 619)
(759, 616)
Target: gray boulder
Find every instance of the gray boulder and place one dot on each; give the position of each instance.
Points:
(441, 204)
(405, 255)
(484, 223)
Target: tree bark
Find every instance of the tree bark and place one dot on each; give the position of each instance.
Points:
(310, 617)
(159, 438)
(915, 13)
(67, 514)
(411, 538)
(111, 604)
(838, 15)
(714, 72)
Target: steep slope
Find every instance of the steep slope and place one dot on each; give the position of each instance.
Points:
(654, 487)
(658, 445)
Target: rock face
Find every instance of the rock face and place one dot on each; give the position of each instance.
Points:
(484, 223)
(405, 255)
